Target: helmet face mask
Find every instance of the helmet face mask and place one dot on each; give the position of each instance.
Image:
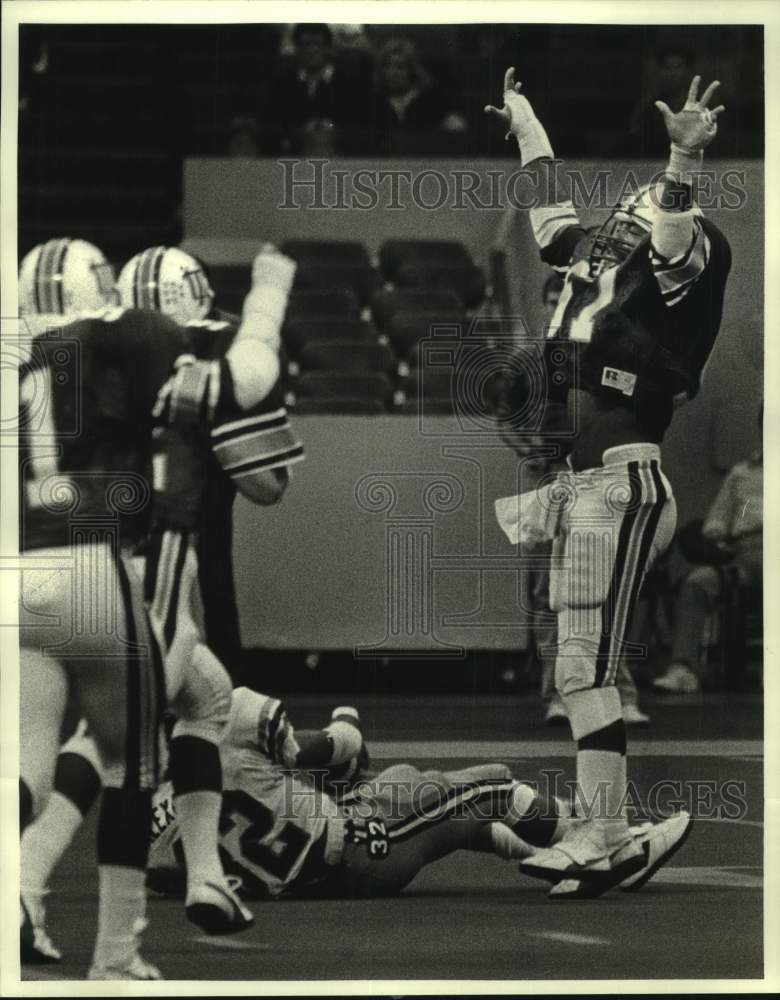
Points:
(166, 280)
(65, 277)
(623, 231)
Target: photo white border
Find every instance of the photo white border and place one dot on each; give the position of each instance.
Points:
(14, 12)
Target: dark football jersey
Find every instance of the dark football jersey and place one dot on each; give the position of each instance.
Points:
(638, 334)
(86, 398)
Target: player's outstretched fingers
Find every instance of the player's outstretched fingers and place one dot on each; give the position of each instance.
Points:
(509, 79)
(693, 90)
(709, 92)
(717, 111)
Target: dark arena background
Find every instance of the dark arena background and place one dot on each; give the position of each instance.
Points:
(382, 578)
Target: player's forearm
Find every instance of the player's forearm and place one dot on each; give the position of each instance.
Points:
(675, 210)
(254, 354)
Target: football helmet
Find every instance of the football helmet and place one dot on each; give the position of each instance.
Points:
(166, 280)
(65, 277)
(626, 227)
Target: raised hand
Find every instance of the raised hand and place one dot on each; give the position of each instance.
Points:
(695, 126)
(516, 112)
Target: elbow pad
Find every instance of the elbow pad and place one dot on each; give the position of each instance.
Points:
(254, 365)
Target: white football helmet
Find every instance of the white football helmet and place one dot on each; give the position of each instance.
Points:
(65, 277)
(166, 280)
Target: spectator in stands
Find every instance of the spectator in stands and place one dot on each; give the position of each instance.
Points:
(243, 137)
(673, 71)
(317, 93)
(735, 523)
(408, 105)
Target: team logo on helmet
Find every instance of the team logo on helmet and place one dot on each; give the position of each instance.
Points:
(166, 280)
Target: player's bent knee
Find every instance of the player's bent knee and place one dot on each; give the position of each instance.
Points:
(203, 705)
(82, 744)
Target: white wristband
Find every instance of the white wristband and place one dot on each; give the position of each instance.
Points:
(684, 164)
(534, 143)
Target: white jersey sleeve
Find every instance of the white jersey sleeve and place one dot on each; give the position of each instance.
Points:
(679, 253)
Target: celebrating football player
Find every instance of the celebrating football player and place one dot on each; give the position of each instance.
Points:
(251, 453)
(635, 324)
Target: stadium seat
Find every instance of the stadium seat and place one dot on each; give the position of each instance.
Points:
(428, 391)
(299, 332)
(231, 283)
(387, 302)
(341, 404)
(360, 278)
(467, 281)
(393, 254)
(351, 388)
(347, 356)
(407, 330)
(323, 302)
(327, 252)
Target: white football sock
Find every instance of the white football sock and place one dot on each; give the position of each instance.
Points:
(506, 844)
(601, 780)
(121, 912)
(198, 816)
(45, 841)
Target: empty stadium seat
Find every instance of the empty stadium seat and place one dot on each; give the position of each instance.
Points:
(387, 302)
(299, 332)
(327, 251)
(428, 391)
(467, 281)
(406, 330)
(362, 279)
(324, 303)
(347, 356)
(393, 254)
(350, 388)
(231, 283)
(341, 404)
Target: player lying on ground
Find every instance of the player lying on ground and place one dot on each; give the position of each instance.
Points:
(636, 321)
(131, 420)
(302, 816)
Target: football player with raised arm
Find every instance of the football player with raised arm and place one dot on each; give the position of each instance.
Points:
(131, 420)
(636, 321)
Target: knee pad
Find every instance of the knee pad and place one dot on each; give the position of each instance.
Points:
(83, 744)
(203, 703)
(580, 569)
(43, 691)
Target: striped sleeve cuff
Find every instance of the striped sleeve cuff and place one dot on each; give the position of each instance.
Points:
(677, 275)
(256, 444)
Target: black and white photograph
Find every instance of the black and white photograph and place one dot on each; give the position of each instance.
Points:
(384, 598)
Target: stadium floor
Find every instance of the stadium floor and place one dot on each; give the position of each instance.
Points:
(474, 917)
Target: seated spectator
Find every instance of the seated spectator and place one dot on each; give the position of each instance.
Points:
(735, 522)
(407, 105)
(317, 93)
(242, 141)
